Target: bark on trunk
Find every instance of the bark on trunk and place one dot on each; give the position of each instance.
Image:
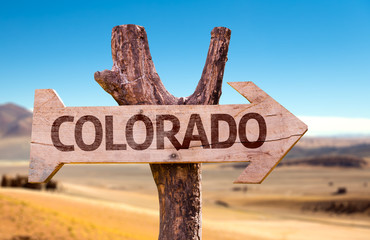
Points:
(133, 80)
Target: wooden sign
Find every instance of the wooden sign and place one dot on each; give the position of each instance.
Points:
(261, 133)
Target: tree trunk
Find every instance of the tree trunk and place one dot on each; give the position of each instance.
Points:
(133, 80)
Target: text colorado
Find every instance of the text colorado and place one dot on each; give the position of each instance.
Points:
(195, 121)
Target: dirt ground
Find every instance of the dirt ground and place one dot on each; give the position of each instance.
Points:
(120, 202)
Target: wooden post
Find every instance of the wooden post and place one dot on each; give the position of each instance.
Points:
(133, 80)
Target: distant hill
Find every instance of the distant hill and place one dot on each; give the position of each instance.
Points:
(342, 161)
(359, 150)
(320, 142)
(15, 121)
(327, 152)
(15, 132)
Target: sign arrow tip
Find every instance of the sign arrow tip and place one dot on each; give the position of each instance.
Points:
(260, 168)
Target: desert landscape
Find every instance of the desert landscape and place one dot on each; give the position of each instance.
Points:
(120, 202)
(140, 82)
(321, 190)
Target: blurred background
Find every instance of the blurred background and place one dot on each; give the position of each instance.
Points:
(311, 56)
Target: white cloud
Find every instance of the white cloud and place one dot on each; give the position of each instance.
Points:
(336, 126)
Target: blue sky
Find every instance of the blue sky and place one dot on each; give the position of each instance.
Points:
(311, 56)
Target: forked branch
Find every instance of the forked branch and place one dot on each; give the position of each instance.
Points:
(133, 80)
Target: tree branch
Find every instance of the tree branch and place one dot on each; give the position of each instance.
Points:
(133, 80)
(208, 91)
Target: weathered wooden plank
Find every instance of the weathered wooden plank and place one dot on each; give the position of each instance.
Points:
(261, 133)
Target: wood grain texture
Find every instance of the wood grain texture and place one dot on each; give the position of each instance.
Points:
(282, 131)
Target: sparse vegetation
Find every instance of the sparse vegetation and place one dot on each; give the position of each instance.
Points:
(327, 161)
(222, 203)
(339, 206)
(341, 191)
(21, 181)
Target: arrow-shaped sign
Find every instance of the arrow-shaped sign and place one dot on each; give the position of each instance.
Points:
(261, 133)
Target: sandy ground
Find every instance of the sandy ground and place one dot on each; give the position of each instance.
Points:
(120, 202)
